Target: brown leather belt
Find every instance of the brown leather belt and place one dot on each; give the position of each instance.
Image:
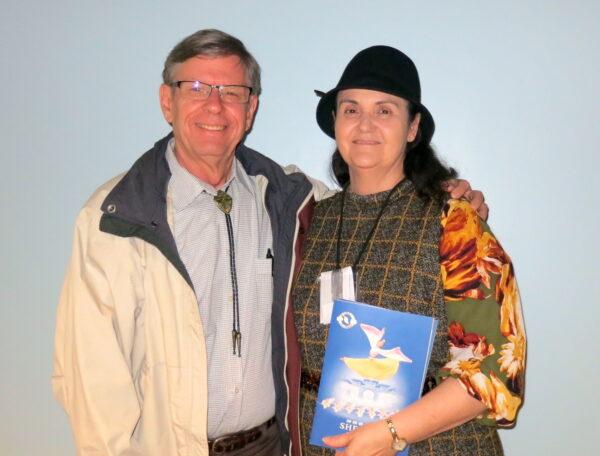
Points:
(238, 440)
(310, 381)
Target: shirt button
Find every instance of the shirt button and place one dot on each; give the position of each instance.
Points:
(237, 389)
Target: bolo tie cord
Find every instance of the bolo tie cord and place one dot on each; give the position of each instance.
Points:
(225, 203)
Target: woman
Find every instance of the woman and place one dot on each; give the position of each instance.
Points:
(410, 250)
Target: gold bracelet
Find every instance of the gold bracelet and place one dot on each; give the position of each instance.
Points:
(398, 443)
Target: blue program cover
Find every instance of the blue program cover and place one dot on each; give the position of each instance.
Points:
(375, 364)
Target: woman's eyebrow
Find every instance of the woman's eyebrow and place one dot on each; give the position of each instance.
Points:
(351, 101)
(392, 102)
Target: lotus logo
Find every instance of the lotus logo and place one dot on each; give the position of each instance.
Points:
(346, 320)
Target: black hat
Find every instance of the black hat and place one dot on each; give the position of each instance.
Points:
(381, 68)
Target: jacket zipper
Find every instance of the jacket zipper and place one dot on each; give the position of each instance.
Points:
(287, 300)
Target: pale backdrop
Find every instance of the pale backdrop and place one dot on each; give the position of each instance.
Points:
(514, 91)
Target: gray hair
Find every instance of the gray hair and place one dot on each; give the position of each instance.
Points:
(214, 43)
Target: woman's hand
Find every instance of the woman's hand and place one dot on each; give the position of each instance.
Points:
(373, 439)
(460, 188)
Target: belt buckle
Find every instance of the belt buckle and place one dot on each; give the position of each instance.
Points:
(219, 445)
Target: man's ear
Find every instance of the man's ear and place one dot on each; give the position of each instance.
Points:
(251, 111)
(165, 95)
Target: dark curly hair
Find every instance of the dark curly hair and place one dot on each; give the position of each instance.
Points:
(421, 166)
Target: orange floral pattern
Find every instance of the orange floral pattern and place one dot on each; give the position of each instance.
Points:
(477, 272)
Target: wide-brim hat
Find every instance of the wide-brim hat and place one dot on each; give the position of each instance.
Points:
(381, 68)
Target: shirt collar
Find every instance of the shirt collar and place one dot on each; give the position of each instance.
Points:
(185, 186)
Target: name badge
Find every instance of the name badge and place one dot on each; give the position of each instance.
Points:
(336, 284)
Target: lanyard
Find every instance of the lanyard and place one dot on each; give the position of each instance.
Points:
(224, 202)
(370, 235)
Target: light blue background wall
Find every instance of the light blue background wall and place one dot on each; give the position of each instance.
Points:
(514, 91)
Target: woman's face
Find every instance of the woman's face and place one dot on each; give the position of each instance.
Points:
(372, 129)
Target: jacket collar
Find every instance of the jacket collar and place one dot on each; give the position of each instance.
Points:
(140, 196)
(141, 193)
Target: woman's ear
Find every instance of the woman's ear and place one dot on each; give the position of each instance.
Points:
(413, 128)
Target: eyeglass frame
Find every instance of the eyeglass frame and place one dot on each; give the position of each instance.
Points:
(219, 87)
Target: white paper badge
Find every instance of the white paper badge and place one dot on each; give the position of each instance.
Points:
(336, 284)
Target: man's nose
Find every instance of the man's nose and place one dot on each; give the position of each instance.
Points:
(214, 103)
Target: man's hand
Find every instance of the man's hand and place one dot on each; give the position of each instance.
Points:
(460, 188)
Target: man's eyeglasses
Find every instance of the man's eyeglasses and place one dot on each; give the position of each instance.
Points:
(201, 91)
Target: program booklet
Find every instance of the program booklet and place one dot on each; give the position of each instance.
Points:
(375, 364)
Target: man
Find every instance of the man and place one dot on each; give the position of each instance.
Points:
(170, 327)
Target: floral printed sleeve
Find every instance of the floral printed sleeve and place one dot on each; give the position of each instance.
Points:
(486, 336)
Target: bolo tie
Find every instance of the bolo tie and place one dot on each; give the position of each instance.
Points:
(224, 203)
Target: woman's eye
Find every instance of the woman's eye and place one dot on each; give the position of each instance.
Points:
(385, 111)
(350, 111)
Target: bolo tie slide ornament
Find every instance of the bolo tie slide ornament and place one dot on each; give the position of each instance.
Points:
(224, 201)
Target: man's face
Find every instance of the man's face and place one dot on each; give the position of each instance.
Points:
(207, 130)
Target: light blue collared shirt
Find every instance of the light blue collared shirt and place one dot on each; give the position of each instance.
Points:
(241, 393)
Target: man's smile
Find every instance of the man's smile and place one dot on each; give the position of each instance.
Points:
(211, 127)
